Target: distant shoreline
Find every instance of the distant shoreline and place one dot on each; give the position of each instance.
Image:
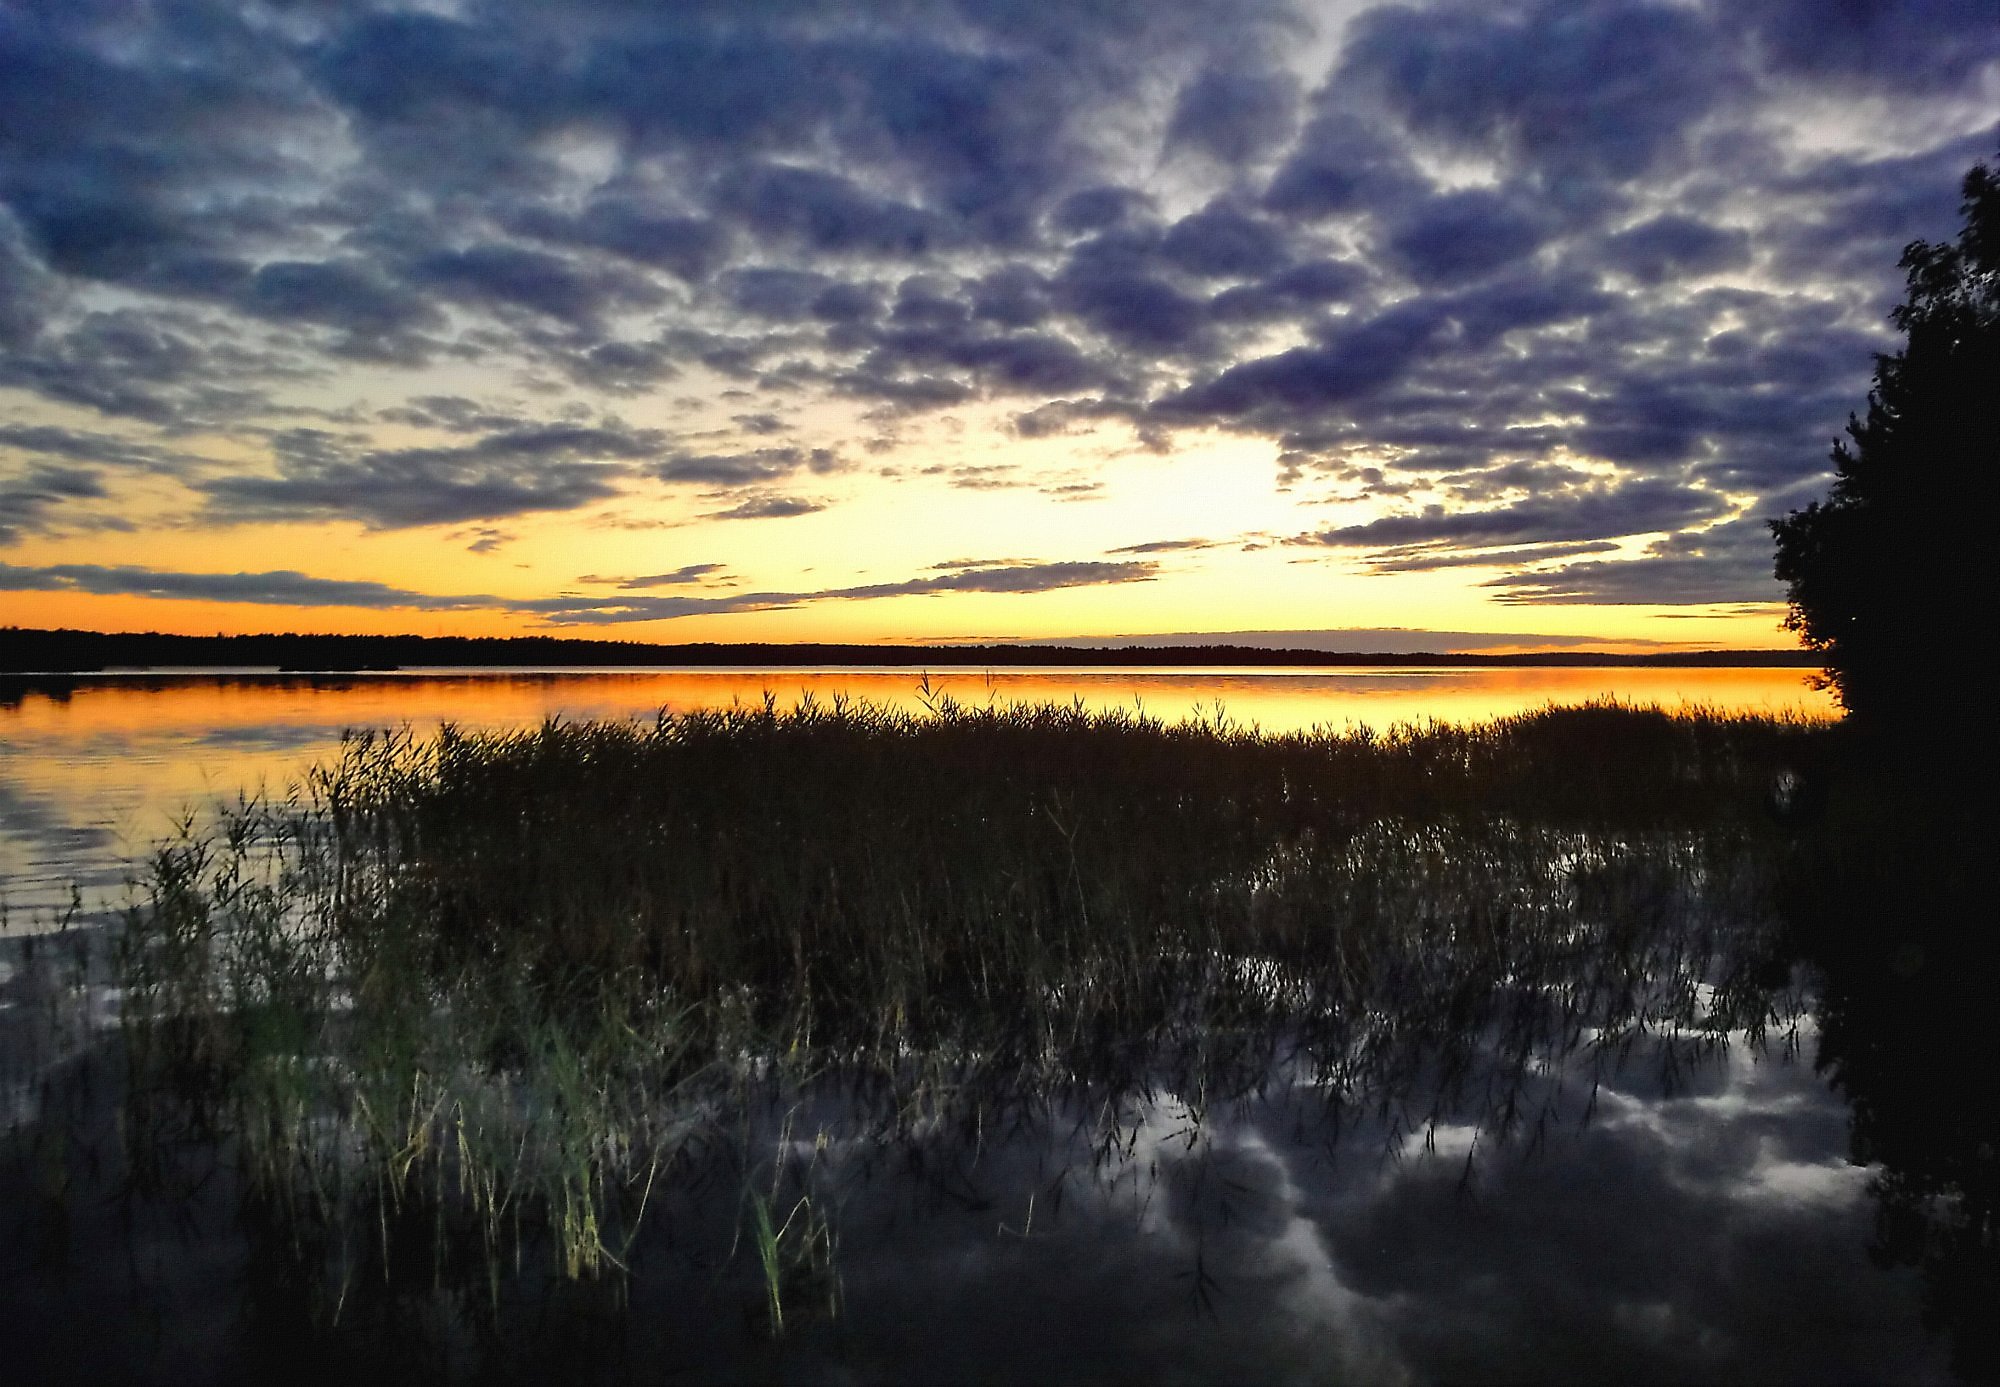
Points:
(28, 651)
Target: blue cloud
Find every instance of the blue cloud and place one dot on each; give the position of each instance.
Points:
(1235, 115)
(1601, 89)
(1465, 235)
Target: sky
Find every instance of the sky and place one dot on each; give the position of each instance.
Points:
(966, 320)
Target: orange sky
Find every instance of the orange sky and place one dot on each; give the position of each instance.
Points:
(1218, 494)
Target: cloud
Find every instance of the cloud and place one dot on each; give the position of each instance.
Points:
(1234, 115)
(1166, 546)
(621, 367)
(1223, 242)
(744, 469)
(1135, 309)
(1674, 245)
(1099, 208)
(277, 588)
(846, 303)
(63, 466)
(122, 142)
(27, 291)
(782, 295)
(1014, 576)
(1306, 380)
(1065, 416)
(1425, 560)
(1345, 163)
(453, 414)
(688, 247)
(1726, 563)
(1589, 513)
(826, 214)
(1678, 581)
(513, 277)
(687, 573)
(1914, 45)
(1465, 235)
(160, 366)
(768, 508)
(29, 503)
(1030, 363)
(1297, 289)
(86, 446)
(1598, 90)
(285, 587)
(1529, 365)
(1845, 218)
(351, 296)
(517, 472)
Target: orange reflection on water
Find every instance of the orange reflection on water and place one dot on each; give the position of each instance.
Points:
(209, 707)
(106, 763)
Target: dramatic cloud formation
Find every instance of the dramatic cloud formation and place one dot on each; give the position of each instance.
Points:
(1577, 289)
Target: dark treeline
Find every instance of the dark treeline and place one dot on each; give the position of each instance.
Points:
(26, 650)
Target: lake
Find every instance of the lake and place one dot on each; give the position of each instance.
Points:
(1583, 1110)
(96, 768)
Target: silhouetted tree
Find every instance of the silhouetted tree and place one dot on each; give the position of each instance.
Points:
(1894, 570)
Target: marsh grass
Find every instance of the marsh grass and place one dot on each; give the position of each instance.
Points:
(477, 1000)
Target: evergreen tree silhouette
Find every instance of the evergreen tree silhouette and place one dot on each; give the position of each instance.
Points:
(1894, 570)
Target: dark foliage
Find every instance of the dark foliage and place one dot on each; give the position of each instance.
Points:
(1895, 564)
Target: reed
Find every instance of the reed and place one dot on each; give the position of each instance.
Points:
(516, 985)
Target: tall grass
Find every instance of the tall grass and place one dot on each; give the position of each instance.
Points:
(514, 985)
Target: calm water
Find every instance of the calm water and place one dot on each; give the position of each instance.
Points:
(1666, 1213)
(95, 769)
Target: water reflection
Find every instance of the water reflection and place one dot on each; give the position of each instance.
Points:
(1277, 699)
(1703, 1227)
